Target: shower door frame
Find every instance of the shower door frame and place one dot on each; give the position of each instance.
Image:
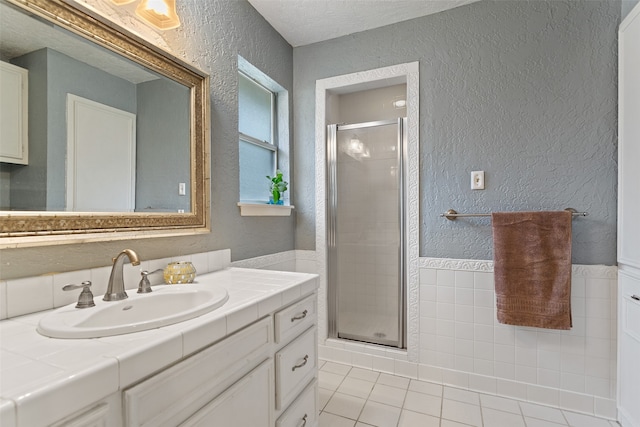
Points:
(325, 92)
(331, 215)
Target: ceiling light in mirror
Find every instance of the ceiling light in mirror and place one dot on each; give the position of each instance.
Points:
(400, 103)
(159, 13)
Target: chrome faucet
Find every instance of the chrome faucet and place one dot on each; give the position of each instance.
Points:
(144, 287)
(115, 290)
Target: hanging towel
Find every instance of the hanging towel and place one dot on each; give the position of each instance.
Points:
(532, 267)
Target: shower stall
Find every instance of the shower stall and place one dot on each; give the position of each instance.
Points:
(365, 232)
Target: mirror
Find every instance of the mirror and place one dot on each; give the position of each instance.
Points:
(114, 131)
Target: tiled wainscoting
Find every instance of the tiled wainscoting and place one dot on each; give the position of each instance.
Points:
(461, 343)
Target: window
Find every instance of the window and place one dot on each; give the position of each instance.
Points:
(258, 145)
(263, 132)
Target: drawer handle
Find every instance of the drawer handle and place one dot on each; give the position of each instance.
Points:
(306, 359)
(635, 297)
(300, 316)
(304, 421)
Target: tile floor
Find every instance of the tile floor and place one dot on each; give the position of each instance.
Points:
(354, 397)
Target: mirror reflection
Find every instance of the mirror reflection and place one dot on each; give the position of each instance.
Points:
(85, 130)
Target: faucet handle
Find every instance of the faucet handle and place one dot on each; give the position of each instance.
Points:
(144, 287)
(85, 300)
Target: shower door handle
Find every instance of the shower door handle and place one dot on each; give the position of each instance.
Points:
(300, 316)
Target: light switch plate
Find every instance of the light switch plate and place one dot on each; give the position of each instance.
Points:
(477, 180)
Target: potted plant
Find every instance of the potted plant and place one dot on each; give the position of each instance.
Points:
(277, 187)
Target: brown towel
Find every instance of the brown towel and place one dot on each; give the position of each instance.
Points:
(532, 266)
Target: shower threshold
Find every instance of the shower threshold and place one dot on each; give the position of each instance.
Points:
(374, 328)
(368, 340)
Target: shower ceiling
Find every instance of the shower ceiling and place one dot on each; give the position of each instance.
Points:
(303, 22)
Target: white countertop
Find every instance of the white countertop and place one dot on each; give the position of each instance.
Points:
(48, 378)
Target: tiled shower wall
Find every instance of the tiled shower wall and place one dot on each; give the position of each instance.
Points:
(462, 344)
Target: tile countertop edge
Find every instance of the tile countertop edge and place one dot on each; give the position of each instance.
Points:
(249, 287)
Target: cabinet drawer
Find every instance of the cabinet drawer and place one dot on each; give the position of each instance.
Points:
(294, 319)
(295, 366)
(174, 394)
(97, 416)
(302, 412)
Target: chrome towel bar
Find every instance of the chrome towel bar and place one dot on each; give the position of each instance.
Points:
(451, 214)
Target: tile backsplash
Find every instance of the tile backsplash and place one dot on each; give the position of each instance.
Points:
(32, 294)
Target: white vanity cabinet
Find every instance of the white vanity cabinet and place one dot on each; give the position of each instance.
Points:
(14, 146)
(245, 403)
(250, 363)
(296, 362)
(175, 394)
(106, 413)
(246, 380)
(303, 411)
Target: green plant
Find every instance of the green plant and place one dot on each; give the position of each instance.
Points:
(278, 186)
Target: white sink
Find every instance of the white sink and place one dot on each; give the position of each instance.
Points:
(166, 305)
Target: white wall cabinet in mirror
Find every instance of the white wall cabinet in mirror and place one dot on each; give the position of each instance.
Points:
(14, 87)
(71, 53)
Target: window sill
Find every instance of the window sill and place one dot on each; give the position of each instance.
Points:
(264, 209)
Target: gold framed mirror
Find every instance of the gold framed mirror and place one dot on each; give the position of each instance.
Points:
(147, 214)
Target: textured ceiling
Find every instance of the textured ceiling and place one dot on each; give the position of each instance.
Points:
(303, 22)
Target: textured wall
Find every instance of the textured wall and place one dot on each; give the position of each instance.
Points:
(163, 157)
(211, 36)
(525, 91)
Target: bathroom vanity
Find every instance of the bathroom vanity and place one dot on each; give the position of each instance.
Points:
(251, 362)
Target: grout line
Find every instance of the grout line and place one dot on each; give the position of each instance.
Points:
(441, 406)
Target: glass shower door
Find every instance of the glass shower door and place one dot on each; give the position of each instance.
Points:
(365, 227)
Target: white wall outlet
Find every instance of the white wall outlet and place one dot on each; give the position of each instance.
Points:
(182, 189)
(477, 180)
